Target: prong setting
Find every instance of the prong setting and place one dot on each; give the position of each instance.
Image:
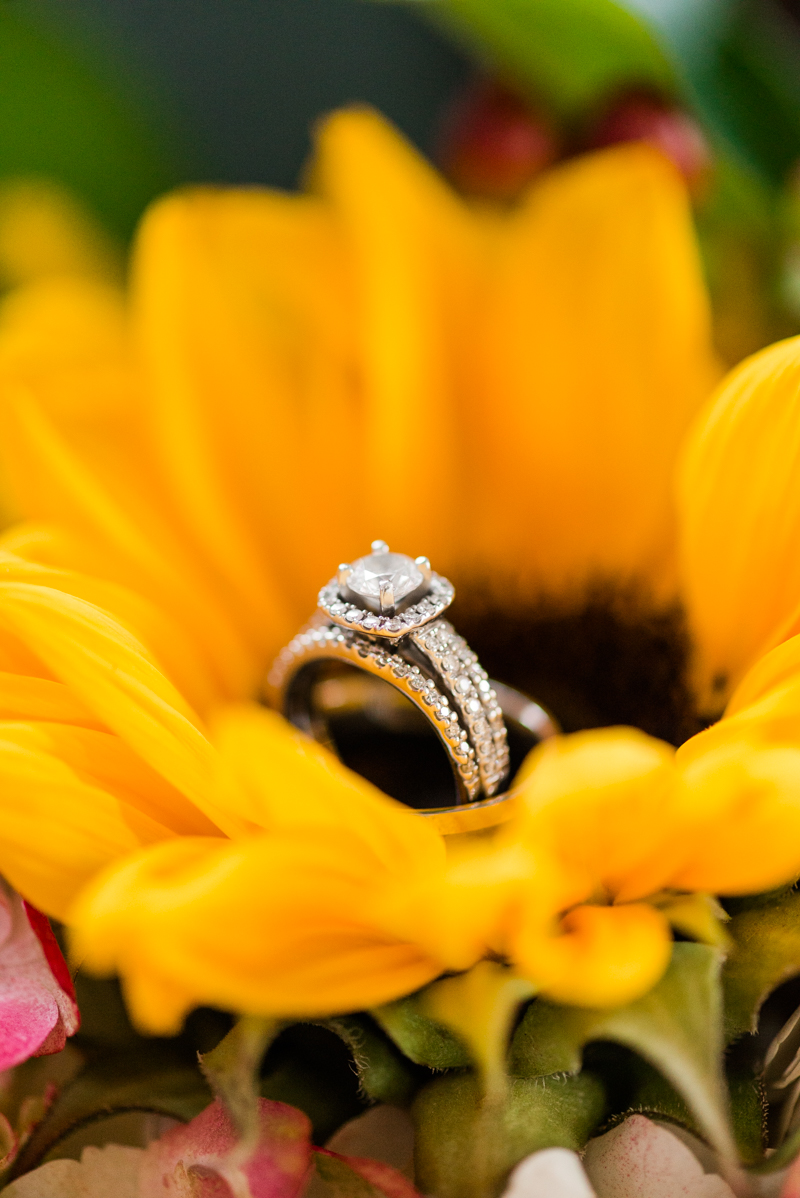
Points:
(424, 568)
(386, 600)
(379, 547)
(343, 573)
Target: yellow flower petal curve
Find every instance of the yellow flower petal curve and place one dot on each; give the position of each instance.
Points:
(416, 255)
(602, 804)
(60, 824)
(604, 957)
(272, 925)
(594, 355)
(280, 780)
(741, 779)
(740, 520)
(115, 677)
(45, 232)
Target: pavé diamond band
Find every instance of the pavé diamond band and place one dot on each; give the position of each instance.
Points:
(383, 615)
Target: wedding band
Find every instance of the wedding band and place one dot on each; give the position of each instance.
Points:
(383, 615)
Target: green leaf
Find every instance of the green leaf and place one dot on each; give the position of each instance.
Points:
(422, 1039)
(60, 120)
(676, 1027)
(765, 952)
(385, 1074)
(572, 51)
(465, 1150)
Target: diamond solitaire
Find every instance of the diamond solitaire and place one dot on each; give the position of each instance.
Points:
(385, 594)
(383, 580)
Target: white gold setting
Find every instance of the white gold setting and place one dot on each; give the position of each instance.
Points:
(382, 613)
(386, 594)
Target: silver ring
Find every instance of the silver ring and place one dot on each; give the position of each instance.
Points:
(383, 615)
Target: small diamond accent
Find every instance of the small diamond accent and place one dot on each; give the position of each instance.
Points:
(462, 684)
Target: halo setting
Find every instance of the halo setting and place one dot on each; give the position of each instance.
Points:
(386, 594)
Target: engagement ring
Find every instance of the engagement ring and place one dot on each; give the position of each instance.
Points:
(380, 621)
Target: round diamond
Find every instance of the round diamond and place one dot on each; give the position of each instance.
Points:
(401, 572)
(450, 662)
(462, 684)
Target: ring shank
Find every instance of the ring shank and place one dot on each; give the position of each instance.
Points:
(435, 669)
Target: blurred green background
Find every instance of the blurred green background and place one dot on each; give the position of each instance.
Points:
(122, 99)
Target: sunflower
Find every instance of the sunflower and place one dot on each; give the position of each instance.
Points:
(287, 375)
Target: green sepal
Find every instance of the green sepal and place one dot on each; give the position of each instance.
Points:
(480, 1007)
(384, 1073)
(676, 1027)
(232, 1071)
(422, 1039)
(655, 1097)
(765, 952)
(465, 1149)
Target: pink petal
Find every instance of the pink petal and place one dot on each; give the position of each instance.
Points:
(199, 1157)
(53, 954)
(37, 1002)
(791, 1182)
(639, 1157)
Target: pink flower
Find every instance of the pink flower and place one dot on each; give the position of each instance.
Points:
(37, 999)
(202, 1160)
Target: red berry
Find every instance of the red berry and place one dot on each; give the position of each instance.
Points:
(643, 117)
(493, 143)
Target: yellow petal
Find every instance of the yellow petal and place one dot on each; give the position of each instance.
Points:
(60, 824)
(270, 925)
(602, 804)
(239, 301)
(595, 353)
(605, 956)
(750, 798)
(416, 255)
(740, 520)
(44, 231)
(29, 698)
(281, 780)
(165, 637)
(75, 451)
(741, 780)
(114, 676)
